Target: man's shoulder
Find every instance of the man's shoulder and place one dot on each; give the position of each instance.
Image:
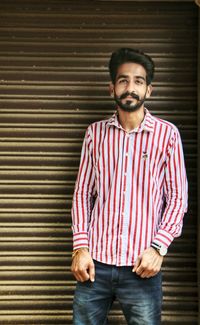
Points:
(165, 124)
(99, 125)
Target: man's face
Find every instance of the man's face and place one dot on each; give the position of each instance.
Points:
(130, 88)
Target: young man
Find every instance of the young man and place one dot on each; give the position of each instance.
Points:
(129, 201)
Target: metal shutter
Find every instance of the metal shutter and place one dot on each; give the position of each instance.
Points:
(53, 83)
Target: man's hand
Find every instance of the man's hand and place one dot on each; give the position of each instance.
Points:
(148, 264)
(83, 266)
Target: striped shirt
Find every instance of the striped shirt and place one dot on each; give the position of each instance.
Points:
(131, 189)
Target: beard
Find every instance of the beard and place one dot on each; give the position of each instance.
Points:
(129, 106)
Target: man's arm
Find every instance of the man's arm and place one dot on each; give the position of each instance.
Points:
(176, 194)
(82, 263)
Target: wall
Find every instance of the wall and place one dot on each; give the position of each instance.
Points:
(54, 82)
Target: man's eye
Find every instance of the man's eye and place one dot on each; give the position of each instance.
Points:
(123, 81)
(139, 82)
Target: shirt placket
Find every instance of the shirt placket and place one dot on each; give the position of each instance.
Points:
(121, 251)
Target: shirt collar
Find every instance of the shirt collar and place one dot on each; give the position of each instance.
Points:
(146, 125)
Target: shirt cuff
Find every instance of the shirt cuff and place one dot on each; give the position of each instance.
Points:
(163, 238)
(80, 240)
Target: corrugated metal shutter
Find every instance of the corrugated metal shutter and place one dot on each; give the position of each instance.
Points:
(53, 83)
(198, 152)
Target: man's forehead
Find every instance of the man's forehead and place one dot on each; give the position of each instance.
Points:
(131, 69)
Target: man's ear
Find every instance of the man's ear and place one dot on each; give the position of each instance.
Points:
(149, 90)
(111, 89)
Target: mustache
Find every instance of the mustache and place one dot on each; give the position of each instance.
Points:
(132, 94)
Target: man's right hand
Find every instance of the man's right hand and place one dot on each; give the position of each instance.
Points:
(83, 266)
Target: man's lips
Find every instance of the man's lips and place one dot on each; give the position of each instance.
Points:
(130, 98)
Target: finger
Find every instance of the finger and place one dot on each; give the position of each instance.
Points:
(152, 271)
(141, 268)
(80, 274)
(84, 275)
(147, 269)
(74, 271)
(77, 277)
(146, 274)
(137, 263)
(91, 271)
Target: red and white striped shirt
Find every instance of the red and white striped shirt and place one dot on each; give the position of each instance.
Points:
(131, 189)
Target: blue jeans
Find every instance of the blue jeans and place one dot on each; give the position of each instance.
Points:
(140, 299)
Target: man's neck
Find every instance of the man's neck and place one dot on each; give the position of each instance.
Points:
(131, 120)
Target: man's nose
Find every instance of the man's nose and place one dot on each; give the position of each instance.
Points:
(131, 87)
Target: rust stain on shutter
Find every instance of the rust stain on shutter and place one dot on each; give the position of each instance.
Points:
(54, 82)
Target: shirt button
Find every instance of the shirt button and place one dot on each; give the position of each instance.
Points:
(126, 154)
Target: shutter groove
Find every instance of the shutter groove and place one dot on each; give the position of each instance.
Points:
(54, 82)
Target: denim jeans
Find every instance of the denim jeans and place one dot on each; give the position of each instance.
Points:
(140, 299)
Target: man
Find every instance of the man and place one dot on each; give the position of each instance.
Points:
(129, 201)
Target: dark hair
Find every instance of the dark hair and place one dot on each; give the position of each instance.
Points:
(125, 55)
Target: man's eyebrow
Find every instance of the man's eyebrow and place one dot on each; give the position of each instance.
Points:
(126, 76)
(122, 76)
(140, 77)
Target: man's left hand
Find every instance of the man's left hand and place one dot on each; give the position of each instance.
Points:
(148, 263)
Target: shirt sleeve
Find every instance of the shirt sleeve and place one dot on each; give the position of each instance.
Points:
(83, 195)
(175, 192)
